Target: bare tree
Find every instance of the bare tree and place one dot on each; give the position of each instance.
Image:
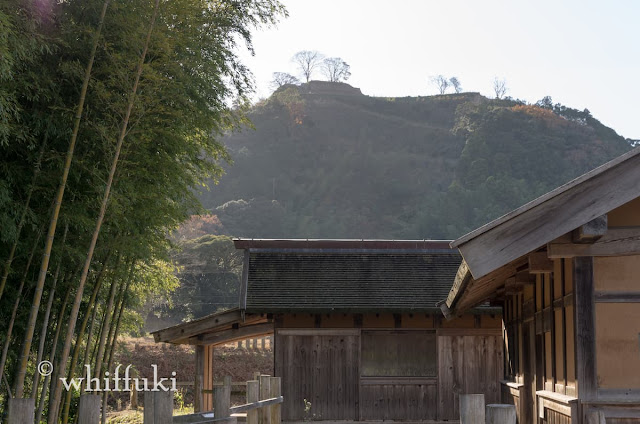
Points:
(500, 87)
(336, 69)
(441, 82)
(455, 83)
(282, 78)
(307, 61)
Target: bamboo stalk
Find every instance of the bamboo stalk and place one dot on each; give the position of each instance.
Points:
(76, 350)
(109, 362)
(103, 207)
(23, 216)
(14, 312)
(45, 321)
(44, 266)
(54, 350)
(105, 328)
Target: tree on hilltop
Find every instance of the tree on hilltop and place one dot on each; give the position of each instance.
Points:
(307, 61)
(500, 87)
(336, 69)
(283, 78)
(441, 82)
(455, 83)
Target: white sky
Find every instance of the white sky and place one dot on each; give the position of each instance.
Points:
(585, 54)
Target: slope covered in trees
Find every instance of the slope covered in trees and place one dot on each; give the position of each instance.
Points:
(326, 161)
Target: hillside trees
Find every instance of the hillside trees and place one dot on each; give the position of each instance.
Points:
(170, 145)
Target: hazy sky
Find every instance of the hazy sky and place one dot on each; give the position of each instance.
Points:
(585, 54)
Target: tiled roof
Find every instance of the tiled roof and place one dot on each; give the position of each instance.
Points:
(349, 281)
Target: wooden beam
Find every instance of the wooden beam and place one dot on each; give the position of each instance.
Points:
(193, 328)
(445, 310)
(235, 334)
(584, 327)
(591, 231)
(558, 212)
(539, 263)
(616, 242)
(463, 276)
(525, 278)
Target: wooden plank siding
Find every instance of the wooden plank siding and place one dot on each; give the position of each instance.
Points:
(468, 364)
(399, 402)
(321, 368)
(324, 366)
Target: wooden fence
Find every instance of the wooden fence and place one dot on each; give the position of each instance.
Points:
(264, 398)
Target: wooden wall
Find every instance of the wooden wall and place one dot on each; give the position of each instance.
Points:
(320, 366)
(617, 318)
(539, 340)
(325, 365)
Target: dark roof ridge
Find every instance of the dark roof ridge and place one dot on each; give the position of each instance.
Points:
(346, 244)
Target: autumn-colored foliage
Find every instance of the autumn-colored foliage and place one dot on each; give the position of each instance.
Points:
(197, 226)
(546, 115)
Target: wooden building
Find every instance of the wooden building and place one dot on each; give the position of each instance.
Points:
(566, 267)
(357, 330)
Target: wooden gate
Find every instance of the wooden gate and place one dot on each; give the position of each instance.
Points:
(320, 366)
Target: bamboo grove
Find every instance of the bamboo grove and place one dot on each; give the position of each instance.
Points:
(111, 113)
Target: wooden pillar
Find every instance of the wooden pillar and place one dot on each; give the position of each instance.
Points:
(264, 414)
(472, 409)
(275, 391)
(89, 409)
(21, 410)
(501, 414)
(263, 343)
(222, 399)
(254, 343)
(595, 416)
(584, 326)
(158, 407)
(198, 400)
(253, 392)
(207, 385)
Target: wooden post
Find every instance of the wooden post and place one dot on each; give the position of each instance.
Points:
(253, 390)
(501, 414)
(239, 344)
(256, 375)
(275, 391)
(472, 409)
(89, 409)
(158, 407)
(595, 416)
(198, 398)
(254, 343)
(21, 410)
(264, 414)
(584, 312)
(222, 399)
(263, 343)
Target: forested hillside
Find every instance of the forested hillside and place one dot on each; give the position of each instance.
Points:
(324, 160)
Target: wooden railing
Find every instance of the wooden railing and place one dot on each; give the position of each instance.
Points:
(264, 399)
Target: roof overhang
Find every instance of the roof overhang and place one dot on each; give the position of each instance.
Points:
(501, 248)
(219, 328)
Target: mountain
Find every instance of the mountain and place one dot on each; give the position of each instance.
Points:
(326, 161)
